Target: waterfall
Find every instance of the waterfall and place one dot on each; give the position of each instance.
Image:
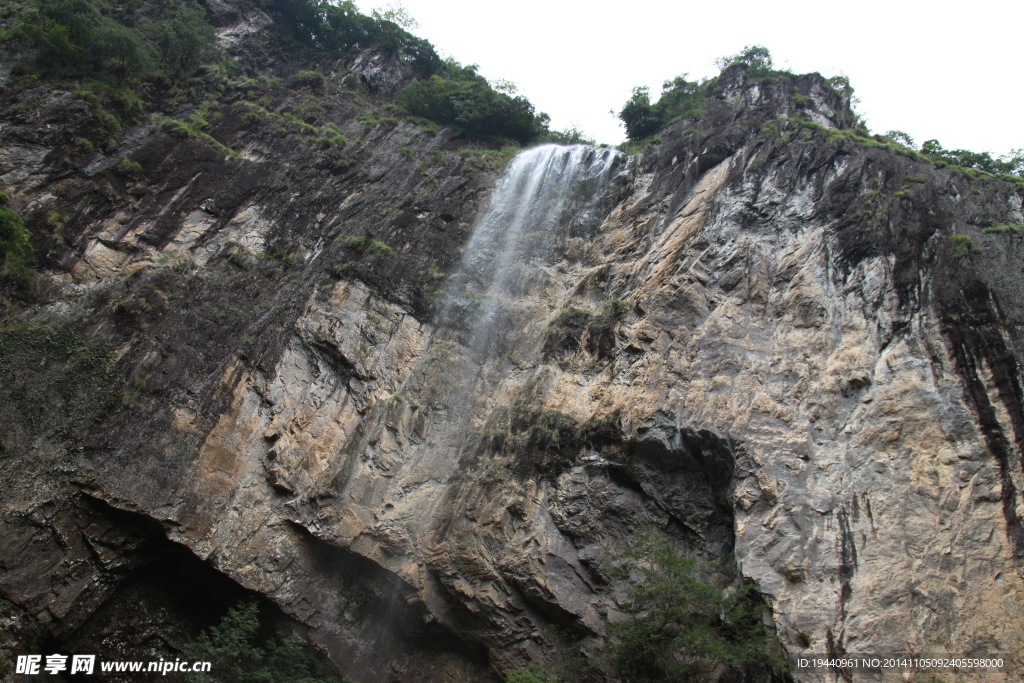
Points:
(543, 190)
(546, 195)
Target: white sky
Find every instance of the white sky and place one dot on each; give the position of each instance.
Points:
(936, 69)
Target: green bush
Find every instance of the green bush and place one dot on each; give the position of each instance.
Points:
(757, 58)
(15, 248)
(961, 245)
(680, 99)
(367, 243)
(1012, 163)
(234, 648)
(129, 168)
(340, 28)
(311, 79)
(681, 627)
(1004, 229)
(570, 136)
(183, 39)
(79, 37)
(464, 98)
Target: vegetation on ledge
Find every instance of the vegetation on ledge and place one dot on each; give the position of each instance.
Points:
(687, 100)
(680, 625)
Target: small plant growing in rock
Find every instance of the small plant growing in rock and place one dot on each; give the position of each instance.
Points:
(367, 243)
(961, 245)
(130, 168)
(1004, 229)
(311, 79)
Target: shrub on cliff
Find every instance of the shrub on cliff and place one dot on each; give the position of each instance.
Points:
(341, 28)
(86, 37)
(233, 647)
(462, 97)
(15, 249)
(683, 99)
(1012, 163)
(681, 627)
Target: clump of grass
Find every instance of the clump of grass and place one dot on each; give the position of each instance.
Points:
(311, 79)
(128, 167)
(961, 245)
(367, 244)
(1004, 229)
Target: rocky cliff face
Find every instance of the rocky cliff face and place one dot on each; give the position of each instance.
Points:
(755, 335)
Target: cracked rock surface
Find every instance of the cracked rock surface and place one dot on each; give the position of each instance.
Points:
(763, 345)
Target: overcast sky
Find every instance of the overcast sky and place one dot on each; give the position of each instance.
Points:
(934, 70)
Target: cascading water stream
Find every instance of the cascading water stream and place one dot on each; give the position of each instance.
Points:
(545, 194)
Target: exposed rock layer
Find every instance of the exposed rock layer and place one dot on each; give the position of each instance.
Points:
(766, 347)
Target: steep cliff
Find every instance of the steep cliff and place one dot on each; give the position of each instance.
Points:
(260, 361)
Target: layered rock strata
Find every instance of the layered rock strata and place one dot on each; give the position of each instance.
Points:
(760, 340)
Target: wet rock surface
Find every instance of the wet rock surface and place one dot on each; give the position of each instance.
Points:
(764, 346)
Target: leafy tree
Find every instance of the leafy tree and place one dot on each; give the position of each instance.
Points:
(183, 40)
(123, 50)
(232, 647)
(465, 98)
(570, 136)
(396, 14)
(1009, 163)
(61, 31)
(79, 37)
(341, 28)
(682, 628)
(684, 99)
(680, 99)
(639, 116)
(841, 84)
(900, 137)
(756, 57)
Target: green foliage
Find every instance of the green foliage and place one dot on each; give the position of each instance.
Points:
(1012, 163)
(756, 57)
(900, 137)
(183, 39)
(488, 159)
(841, 86)
(396, 14)
(311, 79)
(129, 168)
(80, 37)
(464, 98)
(639, 115)
(681, 627)
(341, 29)
(961, 245)
(15, 248)
(683, 99)
(570, 136)
(367, 244)
(192, 127)
(533, 674)
(1004, 229)
(234, 648)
